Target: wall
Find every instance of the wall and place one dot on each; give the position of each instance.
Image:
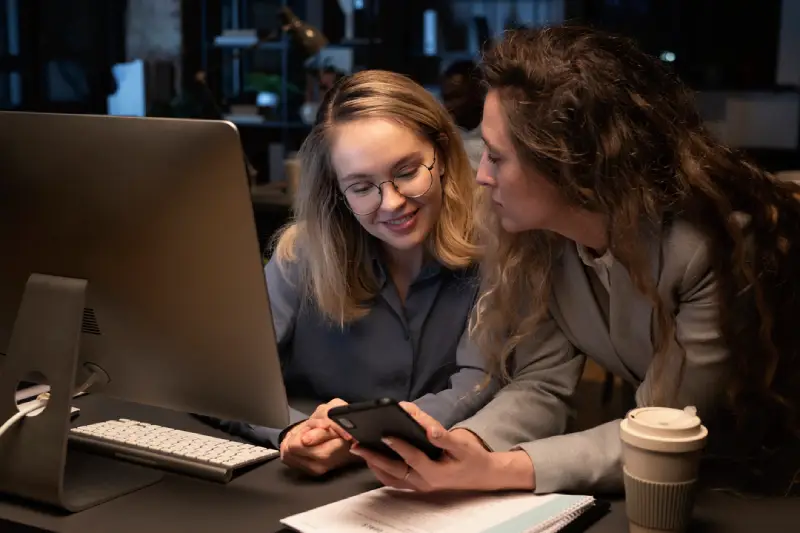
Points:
(153, 46)
(153, 30)
(789, 51)
(769, 120)
(528, 13)
(760, 120)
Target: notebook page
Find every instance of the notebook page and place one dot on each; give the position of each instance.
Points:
(393, 511)
(549, 518)
(557, 524)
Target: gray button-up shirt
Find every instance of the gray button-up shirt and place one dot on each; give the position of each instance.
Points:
(418, 352)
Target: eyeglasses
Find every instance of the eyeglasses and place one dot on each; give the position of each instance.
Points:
(364, 198)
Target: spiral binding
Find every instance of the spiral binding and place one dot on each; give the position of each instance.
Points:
(557, 523)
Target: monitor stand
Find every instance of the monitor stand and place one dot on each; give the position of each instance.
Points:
(36, 462)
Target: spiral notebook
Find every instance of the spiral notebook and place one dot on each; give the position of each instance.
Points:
(393, 511)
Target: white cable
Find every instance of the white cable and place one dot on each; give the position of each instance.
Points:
(41, 401)
(88, 383)
(23, 412)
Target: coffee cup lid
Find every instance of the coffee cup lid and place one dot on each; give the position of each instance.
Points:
(664, 429)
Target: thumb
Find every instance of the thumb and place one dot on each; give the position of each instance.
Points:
(459, 444)
(432, 426)
(317, 436)
(329, 425)
(322, 410)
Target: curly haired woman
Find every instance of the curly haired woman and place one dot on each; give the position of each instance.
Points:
(618, 229)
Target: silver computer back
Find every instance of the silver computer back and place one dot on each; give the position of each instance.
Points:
(156, 215)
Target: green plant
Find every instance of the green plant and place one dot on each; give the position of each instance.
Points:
(262, 82)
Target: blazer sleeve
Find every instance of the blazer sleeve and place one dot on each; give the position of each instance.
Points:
(470, 387)
(590, 461)
(535, 404)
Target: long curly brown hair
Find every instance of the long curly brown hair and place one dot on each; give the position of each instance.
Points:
(618, 133)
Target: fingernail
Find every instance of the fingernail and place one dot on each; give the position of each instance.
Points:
(387, 441)
(355, 451)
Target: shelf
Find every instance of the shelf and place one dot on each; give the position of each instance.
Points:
(237, 42)
(359, 41)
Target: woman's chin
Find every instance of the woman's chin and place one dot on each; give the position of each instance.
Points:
(405, 242)
(509, 225)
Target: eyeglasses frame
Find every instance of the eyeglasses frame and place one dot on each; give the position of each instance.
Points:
(379, 186)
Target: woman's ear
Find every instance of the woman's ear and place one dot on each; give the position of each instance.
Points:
(441, 158)
(441, 146)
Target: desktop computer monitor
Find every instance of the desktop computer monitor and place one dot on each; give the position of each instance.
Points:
(155, 217)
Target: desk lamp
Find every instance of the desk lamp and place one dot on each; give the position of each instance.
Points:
(308, 38)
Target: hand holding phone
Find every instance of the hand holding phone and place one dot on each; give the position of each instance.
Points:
(369, 422)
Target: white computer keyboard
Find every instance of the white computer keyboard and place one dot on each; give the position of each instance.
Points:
(181, 451)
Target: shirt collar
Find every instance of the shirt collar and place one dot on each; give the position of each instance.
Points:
(605, 260)
(430, 269)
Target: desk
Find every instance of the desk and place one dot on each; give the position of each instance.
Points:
(273, 194)
(256, 501)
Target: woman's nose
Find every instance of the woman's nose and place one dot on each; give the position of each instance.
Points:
(485, 169)
(391, 199)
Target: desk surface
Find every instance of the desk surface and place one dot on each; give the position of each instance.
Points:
(271, 195)
(256, 501)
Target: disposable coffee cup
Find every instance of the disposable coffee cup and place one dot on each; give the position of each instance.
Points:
(661, 449)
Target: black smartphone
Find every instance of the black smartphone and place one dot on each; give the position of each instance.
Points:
(369, 422)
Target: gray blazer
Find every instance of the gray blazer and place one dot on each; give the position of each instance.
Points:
(530, 414)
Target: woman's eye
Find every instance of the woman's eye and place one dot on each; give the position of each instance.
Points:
(405, 174)
(493, 160)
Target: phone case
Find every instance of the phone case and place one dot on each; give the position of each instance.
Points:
(369, 422)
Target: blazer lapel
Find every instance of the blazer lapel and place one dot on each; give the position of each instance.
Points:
(631, 313)
(581, 318)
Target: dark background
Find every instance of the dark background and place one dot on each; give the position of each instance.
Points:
(56, 55)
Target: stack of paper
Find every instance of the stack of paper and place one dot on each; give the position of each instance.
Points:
(393, 511)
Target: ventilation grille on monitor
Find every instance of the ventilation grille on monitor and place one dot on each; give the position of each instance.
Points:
(89, 325)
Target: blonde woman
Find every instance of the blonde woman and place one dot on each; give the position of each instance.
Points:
(372, 283)
(619, 229)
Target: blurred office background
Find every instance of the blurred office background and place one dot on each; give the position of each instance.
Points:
(232, 59)
(263, 64)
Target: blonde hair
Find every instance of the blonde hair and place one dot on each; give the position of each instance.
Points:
(326, 239)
